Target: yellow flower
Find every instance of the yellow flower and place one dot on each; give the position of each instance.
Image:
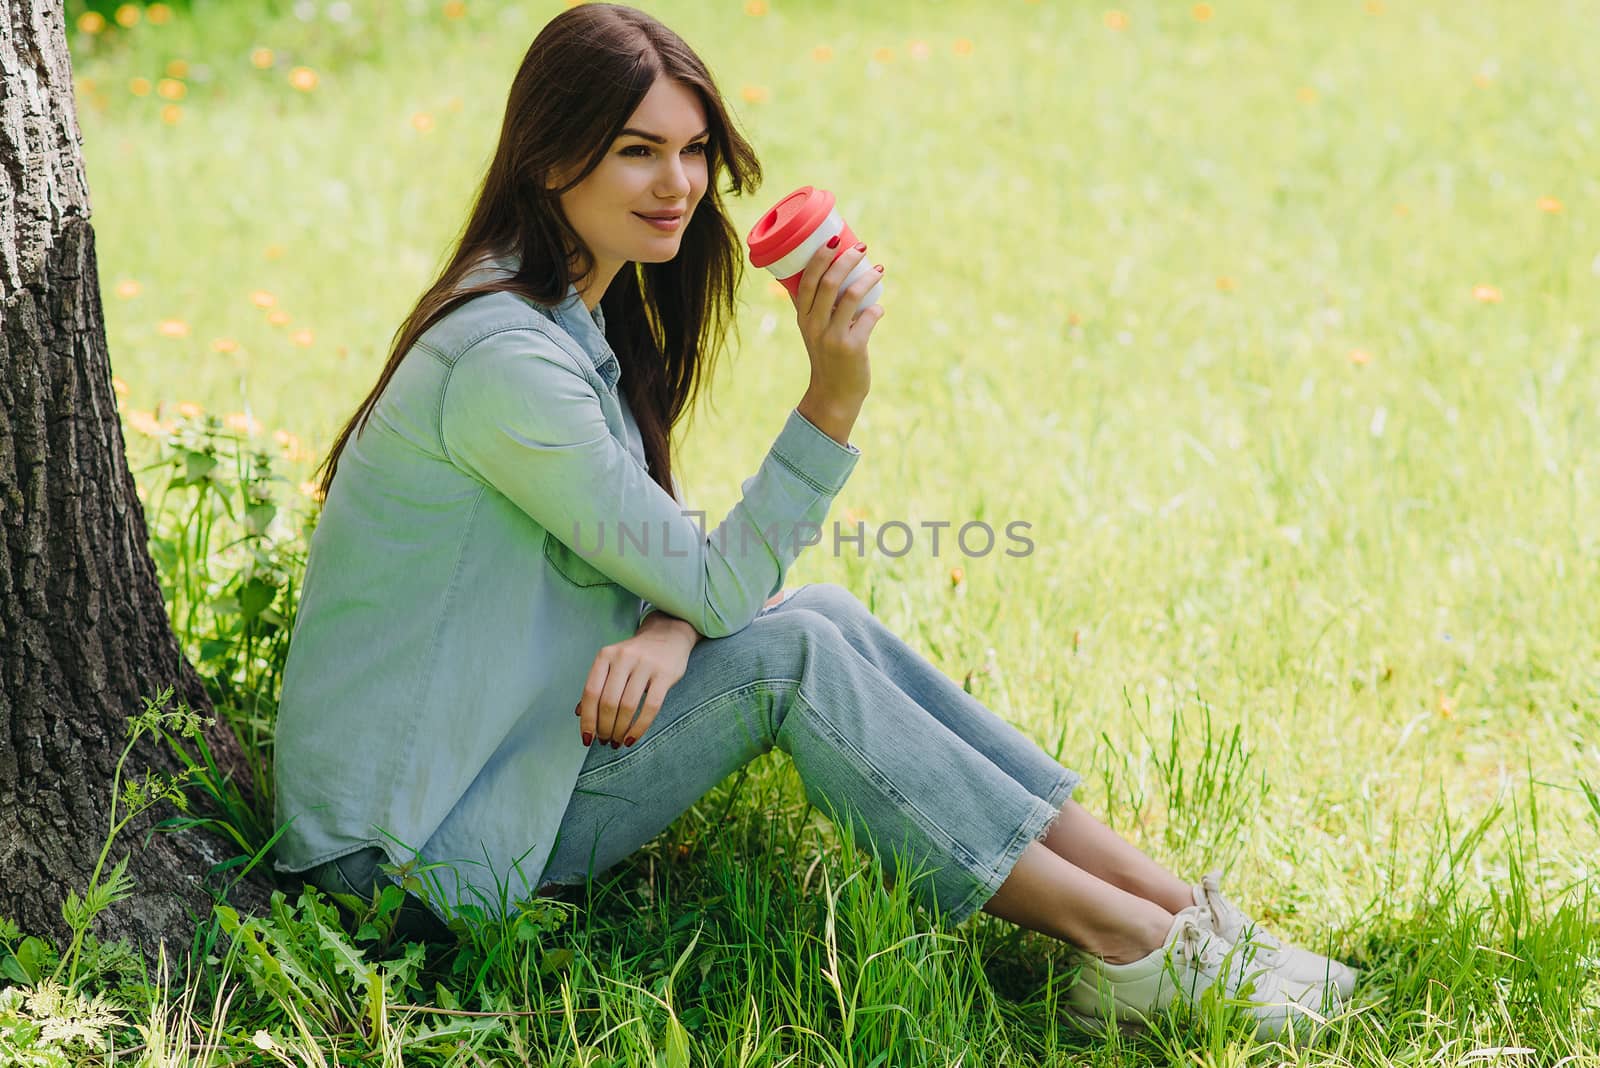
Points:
(145, 423)
(1374, 7)
(119, 387)
(178, 68)
(422, 121)
(277, 317)
(127, 15)
(262, 299)
(303, 79)
(1201, 12)
(884, 55)
(91, 22)
(261, 57)
(1115, 20)
(284, 438)
(190, 410)
(1481, 80)
(303, 338)
(918, 49)
(225, 344)
(172, 114)
(1306, 94)
(755, 94)
(962, 47)
(957, 576)
(1225, 284)
(159, 15)
(174, 328)
(755, 7)
(1402, 210)
(242, 422)
(1447, 707)
(855, 515)
(273, 252)
(822, 53)
(139, 86)
(1549, 205)
(171, 89)
(453, 104)
(312, 490)
(1360, 357)
(127, 289)
(455, 9)
(1485, 294)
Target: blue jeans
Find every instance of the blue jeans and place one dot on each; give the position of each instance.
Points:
(878, 735)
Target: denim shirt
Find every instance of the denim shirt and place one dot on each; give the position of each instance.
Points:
(447, 621)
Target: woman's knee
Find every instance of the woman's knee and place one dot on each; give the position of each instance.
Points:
(836, 602)
(788, 639)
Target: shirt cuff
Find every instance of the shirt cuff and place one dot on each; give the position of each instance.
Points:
(819, 460)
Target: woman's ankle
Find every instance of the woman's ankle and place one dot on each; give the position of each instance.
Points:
(1135, 940)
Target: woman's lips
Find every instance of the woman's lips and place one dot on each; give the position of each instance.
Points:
(664, 225)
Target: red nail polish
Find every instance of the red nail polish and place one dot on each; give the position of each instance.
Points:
(587, 737)
(861, 247)
(627, 741)
(879, 268)
(833, 242)
(615, 745)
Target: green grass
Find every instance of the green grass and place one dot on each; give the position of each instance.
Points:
(1329, 620)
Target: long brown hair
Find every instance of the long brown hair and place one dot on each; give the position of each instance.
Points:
(579, 82)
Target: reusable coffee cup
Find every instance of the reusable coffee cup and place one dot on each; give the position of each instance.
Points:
(785, 238)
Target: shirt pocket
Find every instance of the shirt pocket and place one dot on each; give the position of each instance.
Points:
(572, 565)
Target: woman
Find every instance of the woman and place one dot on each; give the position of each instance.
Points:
(463, 592)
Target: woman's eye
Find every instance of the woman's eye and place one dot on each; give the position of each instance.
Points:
(701, 146)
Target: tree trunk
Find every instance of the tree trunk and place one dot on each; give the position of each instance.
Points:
(83, 631)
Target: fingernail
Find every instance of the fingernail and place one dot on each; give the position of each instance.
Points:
(627, 741)
(833, 242)
(861, 247)
(587, 737)
(879, 268)
(614, 745)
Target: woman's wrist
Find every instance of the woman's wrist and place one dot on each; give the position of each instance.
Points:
(670, 624)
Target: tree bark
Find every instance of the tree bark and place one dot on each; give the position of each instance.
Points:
(83, 630)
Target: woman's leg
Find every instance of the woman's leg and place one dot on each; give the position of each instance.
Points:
(1076, 836)
(912, 789)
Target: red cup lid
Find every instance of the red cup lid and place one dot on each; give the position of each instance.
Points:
(782, 229)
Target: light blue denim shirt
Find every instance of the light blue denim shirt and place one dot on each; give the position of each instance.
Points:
(446, 623)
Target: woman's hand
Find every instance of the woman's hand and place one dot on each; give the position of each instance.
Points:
(835, 336)
(643, 667)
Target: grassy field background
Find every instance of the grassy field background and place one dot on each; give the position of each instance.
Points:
(1278, 325)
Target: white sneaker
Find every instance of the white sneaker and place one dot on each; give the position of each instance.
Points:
(1194, 959)
(1291, 962)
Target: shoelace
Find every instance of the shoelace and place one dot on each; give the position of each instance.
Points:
(1209, 951)
(1265, 948)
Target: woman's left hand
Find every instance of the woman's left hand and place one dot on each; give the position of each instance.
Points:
(643, 667)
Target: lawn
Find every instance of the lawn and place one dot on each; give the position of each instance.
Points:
(1276, 323)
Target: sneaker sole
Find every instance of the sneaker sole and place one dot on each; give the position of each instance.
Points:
(1097, 1025)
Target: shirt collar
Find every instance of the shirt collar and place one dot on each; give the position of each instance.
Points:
(587, 328)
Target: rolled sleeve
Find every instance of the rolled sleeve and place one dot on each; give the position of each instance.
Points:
(519, 415)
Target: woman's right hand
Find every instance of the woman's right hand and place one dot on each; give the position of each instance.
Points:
(836, 338)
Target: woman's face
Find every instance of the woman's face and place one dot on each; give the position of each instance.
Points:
(640, 176)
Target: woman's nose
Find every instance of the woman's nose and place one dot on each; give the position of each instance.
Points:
(676, 185)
